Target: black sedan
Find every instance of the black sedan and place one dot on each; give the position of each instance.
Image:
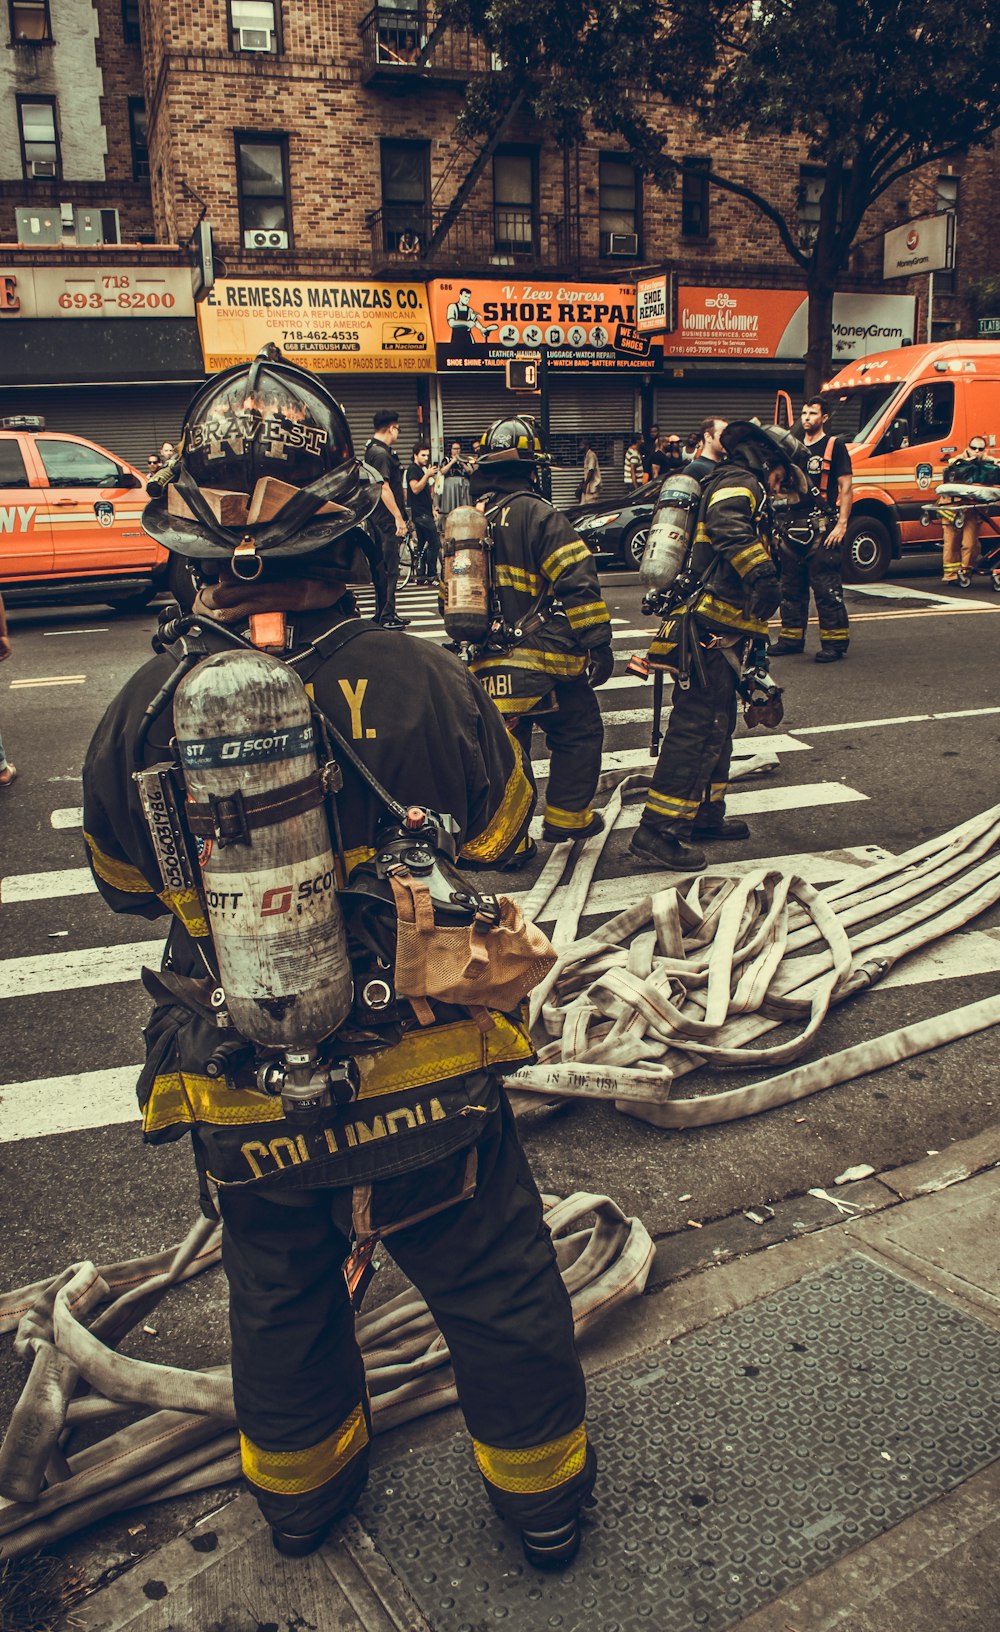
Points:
(615, 529)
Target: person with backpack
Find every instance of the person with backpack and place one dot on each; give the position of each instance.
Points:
(811, 533)
(414, 1139)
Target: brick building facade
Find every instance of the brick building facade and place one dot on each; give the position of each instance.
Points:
(319, 140)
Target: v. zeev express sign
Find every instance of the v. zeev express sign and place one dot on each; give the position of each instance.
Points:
(482, 324)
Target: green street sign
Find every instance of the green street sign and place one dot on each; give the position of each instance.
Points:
(988, 326)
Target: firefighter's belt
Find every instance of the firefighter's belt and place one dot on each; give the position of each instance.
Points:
(231, 818)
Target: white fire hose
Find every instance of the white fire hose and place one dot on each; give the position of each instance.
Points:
(696, 975)
(187, 1440)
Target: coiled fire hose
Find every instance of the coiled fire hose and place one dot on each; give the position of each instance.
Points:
(187, 1439)
(697, 975)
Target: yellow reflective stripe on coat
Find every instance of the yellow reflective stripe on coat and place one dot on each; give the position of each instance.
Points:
(732, 493)
(570, 820)
(567, 555)
(537, 1467)
(419, 1059)
(291, 1473)
(121, 875)
(588, 615)
(187, 906)
(730, 615)
(505, 822)
(561, 664)
(518, 578)
(751, 556)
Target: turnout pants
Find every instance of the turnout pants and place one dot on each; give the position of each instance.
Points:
(574, 735)
(486, 1267)
(818, 571)
(382, 554)
(692, 772)
(961, 545)
(428, 548)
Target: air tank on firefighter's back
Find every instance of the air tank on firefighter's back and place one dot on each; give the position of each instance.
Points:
(466, 574)
(670, 532)
(243, 725)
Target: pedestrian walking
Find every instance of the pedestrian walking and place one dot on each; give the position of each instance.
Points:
(426, 1151)
(560, 629)
(388, 522)
(703, 644)
(590, 487)
(633, 473)
(7, 771)
(420, 494)
(455, 472)
(811, 532)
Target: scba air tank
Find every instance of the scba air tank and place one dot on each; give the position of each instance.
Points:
(243, 725)
(671, 532)
(466, 574)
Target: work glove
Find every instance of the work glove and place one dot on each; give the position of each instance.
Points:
(764, 595)
(600, 665)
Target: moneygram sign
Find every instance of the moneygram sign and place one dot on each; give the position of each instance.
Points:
(749, 323)
(921, 246)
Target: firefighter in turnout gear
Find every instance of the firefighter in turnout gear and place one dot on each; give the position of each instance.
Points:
(703, 644)
(554, 643)
(810, 531)
(423, 1148)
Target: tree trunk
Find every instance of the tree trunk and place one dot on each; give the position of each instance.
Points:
(819, 350)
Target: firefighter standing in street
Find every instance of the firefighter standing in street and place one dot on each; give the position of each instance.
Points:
(426, 1152)
(703, 643)
(547, 588)
(810, 542)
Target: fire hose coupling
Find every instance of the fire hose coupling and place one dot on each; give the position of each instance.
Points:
(307, 1085)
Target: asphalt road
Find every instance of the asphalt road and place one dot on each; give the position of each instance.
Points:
(76, 1190)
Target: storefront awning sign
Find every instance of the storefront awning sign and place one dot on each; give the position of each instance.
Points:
(328, 327)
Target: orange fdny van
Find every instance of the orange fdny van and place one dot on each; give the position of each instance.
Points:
(905, 415)
(70, 522)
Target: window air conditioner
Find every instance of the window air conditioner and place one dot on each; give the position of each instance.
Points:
(43, 167)
(620, 243)
(264, 238)
(255, 39)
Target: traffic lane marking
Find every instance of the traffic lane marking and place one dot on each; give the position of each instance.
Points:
(899, 592)
(50, 634)
(49, 680)
(623, 759)
(53, 1105)
(69, 816)
(897, 719)
(48, 886)
(72, 971)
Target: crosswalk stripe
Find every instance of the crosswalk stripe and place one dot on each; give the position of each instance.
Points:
(70, 816)
(800, 796)
(901, 592)
(49, 886)
(49, 1105)
(637, 759)
(72, 971)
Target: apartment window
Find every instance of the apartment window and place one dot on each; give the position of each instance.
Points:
(39, 141)
(137, 132)
(262, 169)
(405, 196)
(694, 197)
(619, 204)
(514, 194)
(401, 31)
(946, 198)
(130, 22)
(29, 21)
(254, 25)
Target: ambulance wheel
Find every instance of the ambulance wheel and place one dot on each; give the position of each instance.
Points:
(867, 551)
(635, 543)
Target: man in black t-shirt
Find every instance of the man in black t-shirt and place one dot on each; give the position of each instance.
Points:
(812, 534)
(388, 520)
(420, 497)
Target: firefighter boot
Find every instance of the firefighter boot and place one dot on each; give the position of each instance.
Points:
(670, 852)
(552, 1549)
(558, 835)
(730, 827)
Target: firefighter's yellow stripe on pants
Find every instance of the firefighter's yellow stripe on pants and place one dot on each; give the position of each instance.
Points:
(291, 1473)
(664, 804)
(536, 1467)
(717, 792)
(571, 820)
(834, 634)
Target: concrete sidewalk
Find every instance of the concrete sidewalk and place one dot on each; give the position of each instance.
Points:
(801, 1439)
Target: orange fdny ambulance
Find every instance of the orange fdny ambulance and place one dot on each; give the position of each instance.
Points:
(70, 522)
(905, 415)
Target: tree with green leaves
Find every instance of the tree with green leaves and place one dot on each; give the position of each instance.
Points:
(869, 92)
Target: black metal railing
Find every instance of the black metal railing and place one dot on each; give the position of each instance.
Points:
(395, 44)
(406, 234)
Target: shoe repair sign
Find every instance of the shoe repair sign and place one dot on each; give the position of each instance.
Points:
(482, 324)
(350, 328)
